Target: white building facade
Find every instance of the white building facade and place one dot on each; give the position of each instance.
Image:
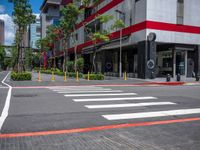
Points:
(174, 49)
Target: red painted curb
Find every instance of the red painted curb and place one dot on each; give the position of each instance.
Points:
(97, 128)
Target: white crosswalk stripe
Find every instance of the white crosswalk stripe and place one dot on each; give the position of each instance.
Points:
(75, 88)
(82, 90)
(152, 114)
(110, 94)
(114, 99)
(114, 91)
(129, 105)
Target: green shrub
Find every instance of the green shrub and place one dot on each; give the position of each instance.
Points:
(73, 75)
(80, 64)
(59, 73)
(46, 71)
(21, 76)
(95, 76)
(70, 66)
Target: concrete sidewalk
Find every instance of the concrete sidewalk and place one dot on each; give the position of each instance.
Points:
(109, 81)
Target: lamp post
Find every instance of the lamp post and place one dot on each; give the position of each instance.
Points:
(120, 45)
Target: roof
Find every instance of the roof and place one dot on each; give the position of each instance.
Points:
(53, 2)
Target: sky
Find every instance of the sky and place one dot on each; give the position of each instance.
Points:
(6, 9)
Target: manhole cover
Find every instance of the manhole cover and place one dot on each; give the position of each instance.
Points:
(25, 95)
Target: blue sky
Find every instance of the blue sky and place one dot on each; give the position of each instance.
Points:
(9, 7)
(6, 9)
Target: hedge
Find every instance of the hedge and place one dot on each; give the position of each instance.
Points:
(95, 76)
(60, 73)
(21, 76)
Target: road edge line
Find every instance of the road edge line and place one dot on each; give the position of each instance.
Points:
(4, 113)
(97, 128)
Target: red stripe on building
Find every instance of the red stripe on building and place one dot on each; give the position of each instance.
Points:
(146, 25)
(109, 6)
(114, 35)
(172, 27)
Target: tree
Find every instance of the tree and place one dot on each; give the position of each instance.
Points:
(28, 58)
(42, 45)
(22, 17)
(102, 35)
(70, 14)
(2, 56)
(51, 37)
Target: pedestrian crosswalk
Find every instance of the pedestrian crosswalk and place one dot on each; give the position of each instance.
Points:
(128, 105)
(100, 98)
(152, 114)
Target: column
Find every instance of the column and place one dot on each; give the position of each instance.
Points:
(197, 60)
(146, 59)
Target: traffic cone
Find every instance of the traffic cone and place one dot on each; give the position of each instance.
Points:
(39, 77)
(52, 77)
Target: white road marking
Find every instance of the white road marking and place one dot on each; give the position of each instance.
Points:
(114, 99)
(129, 105)
(3, 87)
(114, 91)
(94, 89)
(4, 113)
(152, 114)
(110, 94)
(71, 87)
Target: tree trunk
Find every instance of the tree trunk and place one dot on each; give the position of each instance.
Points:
(65, 57)
(54, 58)
(94, 59)
(75, 61)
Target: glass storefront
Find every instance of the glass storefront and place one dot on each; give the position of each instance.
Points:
(180, 63)
(164, 63)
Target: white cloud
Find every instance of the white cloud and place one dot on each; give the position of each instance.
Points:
(9, 28)
(2, 9)
(37, 16)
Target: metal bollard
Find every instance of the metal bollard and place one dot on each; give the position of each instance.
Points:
(178, 77)
(197, 78)
(152, 75)
(88, 76)
(168, 78)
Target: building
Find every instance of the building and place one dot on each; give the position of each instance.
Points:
(161, 37)
(50, 14)
(34, 33)
(2, 32)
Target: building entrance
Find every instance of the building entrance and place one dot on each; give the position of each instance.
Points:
(180, 63)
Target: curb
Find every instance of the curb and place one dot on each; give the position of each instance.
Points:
(121, 85)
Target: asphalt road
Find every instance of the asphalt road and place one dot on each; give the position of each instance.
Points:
(62, 108)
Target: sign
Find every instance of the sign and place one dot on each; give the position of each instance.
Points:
(150, 64)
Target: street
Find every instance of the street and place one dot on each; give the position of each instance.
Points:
(60, 109)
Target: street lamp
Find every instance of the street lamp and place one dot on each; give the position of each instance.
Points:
(120, 49)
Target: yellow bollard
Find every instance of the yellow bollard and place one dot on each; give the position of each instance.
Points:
(125, 76)
(65, 76)
(39, 77)
(52, 77)
(77, 79)
(88, 76)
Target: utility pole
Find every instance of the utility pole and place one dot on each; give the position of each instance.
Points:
(120, 45)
